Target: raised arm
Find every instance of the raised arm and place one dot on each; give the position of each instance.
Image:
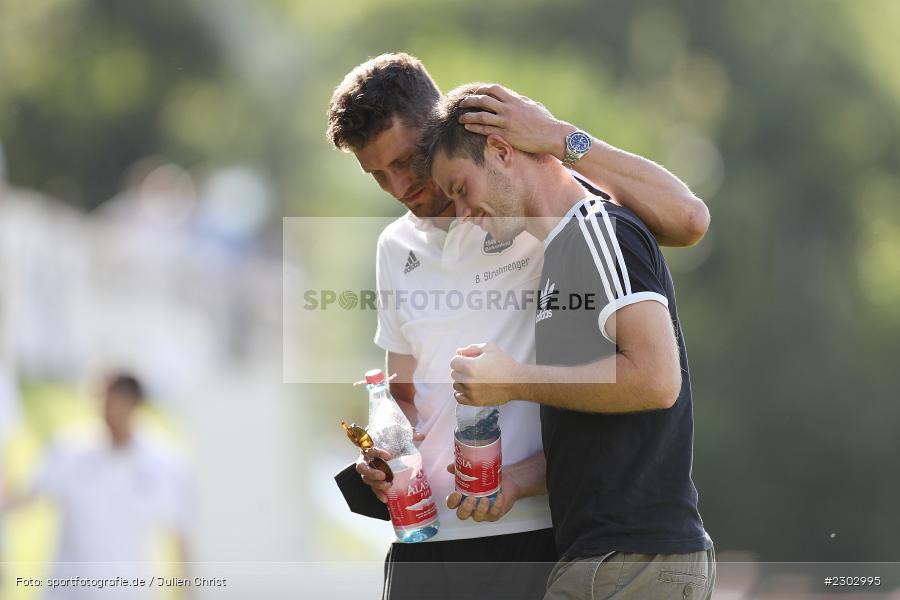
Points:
(674, 215)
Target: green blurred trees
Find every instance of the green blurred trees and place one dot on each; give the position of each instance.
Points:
(784, 117)
(87, 89)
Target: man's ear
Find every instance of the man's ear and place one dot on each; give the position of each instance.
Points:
(499, 148)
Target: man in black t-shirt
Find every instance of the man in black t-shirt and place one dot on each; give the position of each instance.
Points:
(611, 375)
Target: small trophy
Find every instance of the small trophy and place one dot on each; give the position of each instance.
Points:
(361, 439)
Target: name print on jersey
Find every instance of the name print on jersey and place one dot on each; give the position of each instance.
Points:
(517, 265)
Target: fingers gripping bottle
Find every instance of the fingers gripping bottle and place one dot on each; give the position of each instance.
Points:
(477, 448)
(410, 504)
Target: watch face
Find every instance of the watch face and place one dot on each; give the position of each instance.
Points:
(579, 142)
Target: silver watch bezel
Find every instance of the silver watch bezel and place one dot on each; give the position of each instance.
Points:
(572, 156)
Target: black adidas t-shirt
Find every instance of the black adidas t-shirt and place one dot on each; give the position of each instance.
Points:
(618, 482)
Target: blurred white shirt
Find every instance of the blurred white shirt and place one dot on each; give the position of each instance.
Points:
(112, 501)
(9, 419)
(9, 408)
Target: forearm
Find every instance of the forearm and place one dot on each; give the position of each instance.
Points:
(662, 201)
(674, 215)
(404, 396)
(616, 384)
(402, 387)
(529, 476)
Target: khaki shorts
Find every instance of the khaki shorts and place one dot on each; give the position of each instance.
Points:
(622, 576)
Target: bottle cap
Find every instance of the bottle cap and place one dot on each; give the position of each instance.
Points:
(374, 376)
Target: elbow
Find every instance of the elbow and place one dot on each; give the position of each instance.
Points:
(693, 223)
(665, 392)
(697, 222)
(667, 401)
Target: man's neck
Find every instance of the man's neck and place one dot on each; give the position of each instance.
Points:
(446, 218)
(554, 192)
(121, 441)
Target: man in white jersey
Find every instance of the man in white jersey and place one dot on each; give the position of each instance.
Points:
(376, 113)
(114, 495)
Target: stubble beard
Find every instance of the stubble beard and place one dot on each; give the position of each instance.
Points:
(508, 205)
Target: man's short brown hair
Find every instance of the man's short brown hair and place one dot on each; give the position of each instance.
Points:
(374, 93)
(444, 133)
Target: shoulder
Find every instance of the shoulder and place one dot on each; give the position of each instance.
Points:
(590, 223)
(626, 220)
(631, 233)
(160, 455)
(603, 223)
(601, 231)
(398, 233)
(68, 454)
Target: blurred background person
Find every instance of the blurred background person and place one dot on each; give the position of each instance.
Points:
(114, 493)
(176, 273)
(9, 420)
(9, 393)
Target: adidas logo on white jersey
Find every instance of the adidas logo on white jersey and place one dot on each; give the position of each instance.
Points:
(411, 262)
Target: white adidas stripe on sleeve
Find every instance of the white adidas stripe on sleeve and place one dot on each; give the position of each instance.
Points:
(610, 297)
(623, 293)
(621, 284)
(615, 242)
(592, 219)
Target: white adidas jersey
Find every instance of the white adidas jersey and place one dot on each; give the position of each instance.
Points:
(442, 290)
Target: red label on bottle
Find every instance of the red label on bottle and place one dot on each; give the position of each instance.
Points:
(409, 499)
(478, 468)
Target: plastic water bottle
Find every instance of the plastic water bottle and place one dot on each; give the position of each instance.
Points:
(410, 504)
(477, 448)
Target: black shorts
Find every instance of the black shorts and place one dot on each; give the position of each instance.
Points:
(513, 566)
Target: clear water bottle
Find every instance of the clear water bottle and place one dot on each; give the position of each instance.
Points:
(477, 448)
(410, 504)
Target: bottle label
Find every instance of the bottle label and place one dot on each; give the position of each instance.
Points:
(478, 468)
(409, 499)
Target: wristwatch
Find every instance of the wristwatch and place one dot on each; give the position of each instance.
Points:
(577, 145)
